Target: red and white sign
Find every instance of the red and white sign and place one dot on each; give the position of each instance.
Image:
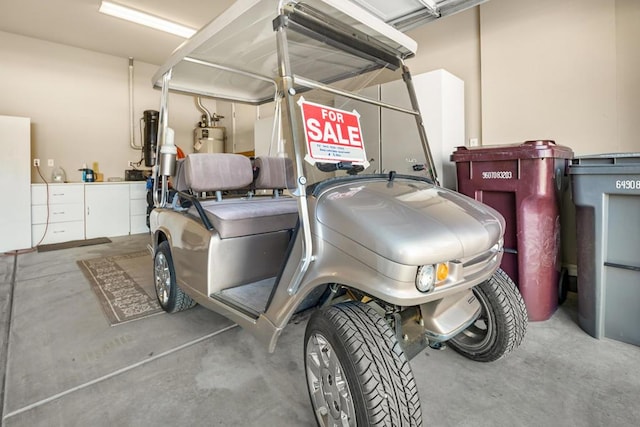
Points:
(332, 135)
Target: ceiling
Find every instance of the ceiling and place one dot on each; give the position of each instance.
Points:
(78, 23)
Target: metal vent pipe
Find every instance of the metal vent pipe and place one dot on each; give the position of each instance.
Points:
(132, 141)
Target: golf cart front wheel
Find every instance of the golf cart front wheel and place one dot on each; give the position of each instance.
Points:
(502, 323)
(171, 298)
(357, 373)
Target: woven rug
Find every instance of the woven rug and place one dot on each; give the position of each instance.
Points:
(124, 285)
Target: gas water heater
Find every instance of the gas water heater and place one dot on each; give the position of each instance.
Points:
(207, 137)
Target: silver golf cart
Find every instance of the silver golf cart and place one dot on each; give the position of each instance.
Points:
(384, 264)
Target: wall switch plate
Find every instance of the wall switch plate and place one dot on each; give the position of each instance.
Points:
(36, 162)
(50, 162)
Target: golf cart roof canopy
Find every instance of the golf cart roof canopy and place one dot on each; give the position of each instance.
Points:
(234, 57)
(407, 14)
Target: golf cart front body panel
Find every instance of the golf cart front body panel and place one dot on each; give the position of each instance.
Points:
(408, 221)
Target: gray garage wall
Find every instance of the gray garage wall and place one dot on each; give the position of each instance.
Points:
(78, 104)
(565, 70)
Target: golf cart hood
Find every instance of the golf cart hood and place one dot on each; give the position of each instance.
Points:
(409, 221)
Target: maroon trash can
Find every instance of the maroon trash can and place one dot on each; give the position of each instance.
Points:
(524, 183)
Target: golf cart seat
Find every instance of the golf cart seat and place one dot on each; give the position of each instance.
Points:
(179, 181)
(274, 173)
(237, 216)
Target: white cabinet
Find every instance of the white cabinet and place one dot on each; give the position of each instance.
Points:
(244, 117)
(58, 216)
(15, 168)
(106, 209)
(138, 207)
(369, 122)
(391, 138)
(239, 122)
(87, 210)
(441, 99)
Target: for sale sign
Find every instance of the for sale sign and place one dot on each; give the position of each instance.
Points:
(332, 135)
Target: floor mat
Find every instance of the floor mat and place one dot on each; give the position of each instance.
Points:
(124, 285)
(73, 244)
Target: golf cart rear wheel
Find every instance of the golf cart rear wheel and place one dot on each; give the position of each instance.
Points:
(357, 373)
(501, 325)
(171, 298)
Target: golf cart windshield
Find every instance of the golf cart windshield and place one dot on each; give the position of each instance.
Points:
(286, 52)
(235, 56)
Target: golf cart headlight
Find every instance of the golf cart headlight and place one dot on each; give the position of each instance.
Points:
(426, 278)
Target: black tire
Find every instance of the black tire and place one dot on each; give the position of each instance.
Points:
(357, 373)
(502, 323)
(170, 297)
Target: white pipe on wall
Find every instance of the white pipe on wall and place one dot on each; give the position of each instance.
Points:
(132, 141)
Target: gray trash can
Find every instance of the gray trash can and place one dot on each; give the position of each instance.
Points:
(606, 192)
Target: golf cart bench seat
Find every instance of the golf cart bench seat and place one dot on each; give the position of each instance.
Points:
(236, 217)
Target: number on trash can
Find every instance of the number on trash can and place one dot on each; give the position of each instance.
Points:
(628, 184)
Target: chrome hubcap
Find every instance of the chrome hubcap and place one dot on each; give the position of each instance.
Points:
(328, 387)
(162, 278)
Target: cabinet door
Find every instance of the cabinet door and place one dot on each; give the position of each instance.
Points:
(244, 118)
(58, 194)
(401, 147)
(225, 109)
(138, 207)
(64, 212)
(106, 210)
(441, 98)
(57, 232)
(238, 121)
(15, 217)
(369, 123)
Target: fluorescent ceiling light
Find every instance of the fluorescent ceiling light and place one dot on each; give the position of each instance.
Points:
(142, 18)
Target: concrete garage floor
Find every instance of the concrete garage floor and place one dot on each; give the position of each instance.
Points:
(66, 366)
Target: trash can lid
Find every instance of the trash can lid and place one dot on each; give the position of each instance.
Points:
(536, 149)
(606, 163)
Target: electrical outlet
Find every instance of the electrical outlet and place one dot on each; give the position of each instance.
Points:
(130, 163)
(50, 162)
(36, 162)
(473, 142)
